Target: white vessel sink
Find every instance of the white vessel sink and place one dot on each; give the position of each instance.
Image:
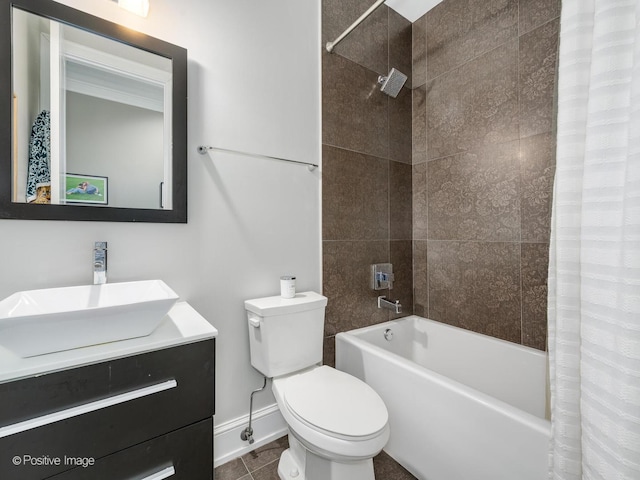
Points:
(55, 319)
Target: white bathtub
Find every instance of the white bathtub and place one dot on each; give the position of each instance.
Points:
(462, 406)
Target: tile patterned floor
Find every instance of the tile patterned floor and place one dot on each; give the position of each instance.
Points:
(262, 464)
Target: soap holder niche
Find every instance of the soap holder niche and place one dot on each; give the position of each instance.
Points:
(382, 276)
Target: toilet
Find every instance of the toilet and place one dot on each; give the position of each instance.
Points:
(337, 423)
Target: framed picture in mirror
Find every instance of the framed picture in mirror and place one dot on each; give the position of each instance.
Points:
(86, 189)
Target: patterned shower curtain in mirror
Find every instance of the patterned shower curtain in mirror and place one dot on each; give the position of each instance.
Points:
(594, 271)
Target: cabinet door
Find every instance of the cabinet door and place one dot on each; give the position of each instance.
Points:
(93, 411)
(185, 454)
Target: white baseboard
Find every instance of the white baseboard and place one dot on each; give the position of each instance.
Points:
(267, 423)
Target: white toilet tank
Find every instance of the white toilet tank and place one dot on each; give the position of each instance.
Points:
(286, 334)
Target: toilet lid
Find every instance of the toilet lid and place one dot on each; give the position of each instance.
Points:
(336, 402)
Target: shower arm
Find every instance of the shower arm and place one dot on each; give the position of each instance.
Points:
(331, 45)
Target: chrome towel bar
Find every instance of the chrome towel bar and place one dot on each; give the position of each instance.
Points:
(203, 149)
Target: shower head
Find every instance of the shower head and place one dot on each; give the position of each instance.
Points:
(392, 83)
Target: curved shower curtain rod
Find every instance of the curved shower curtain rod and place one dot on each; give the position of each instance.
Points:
(330, 45)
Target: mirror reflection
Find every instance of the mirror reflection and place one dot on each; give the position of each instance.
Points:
(91, 118)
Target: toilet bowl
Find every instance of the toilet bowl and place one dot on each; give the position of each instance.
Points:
(333, 413)
(337, 423)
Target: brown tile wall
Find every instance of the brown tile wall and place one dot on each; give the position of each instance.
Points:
(452, 180)
(367, 172)
(483, 158)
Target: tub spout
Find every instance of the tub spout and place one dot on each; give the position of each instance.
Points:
(389, 305)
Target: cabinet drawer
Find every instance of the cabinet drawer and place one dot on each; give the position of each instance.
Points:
(185, 454)
(99, 409)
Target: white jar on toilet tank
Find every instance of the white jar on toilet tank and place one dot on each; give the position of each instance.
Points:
(287, 286)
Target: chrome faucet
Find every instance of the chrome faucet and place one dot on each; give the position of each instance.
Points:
(100, 263)
(389, 305)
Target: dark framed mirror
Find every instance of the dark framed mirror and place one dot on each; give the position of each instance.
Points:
(94, 118)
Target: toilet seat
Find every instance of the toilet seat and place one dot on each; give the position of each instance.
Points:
(336, 403)
(333, 413)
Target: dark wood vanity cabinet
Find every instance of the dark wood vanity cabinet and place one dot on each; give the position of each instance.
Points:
(143, 416)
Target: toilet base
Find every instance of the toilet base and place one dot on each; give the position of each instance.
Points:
(298, 463)
(288, 468)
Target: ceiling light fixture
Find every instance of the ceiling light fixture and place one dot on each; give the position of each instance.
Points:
(139, 7)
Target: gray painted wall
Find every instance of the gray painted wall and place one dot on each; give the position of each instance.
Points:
(250, 220)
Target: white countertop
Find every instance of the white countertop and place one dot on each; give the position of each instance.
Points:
(182, 325)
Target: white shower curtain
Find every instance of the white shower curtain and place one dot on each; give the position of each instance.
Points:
(594, 271)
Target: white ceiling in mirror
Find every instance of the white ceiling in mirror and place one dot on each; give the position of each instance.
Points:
(412, 10)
